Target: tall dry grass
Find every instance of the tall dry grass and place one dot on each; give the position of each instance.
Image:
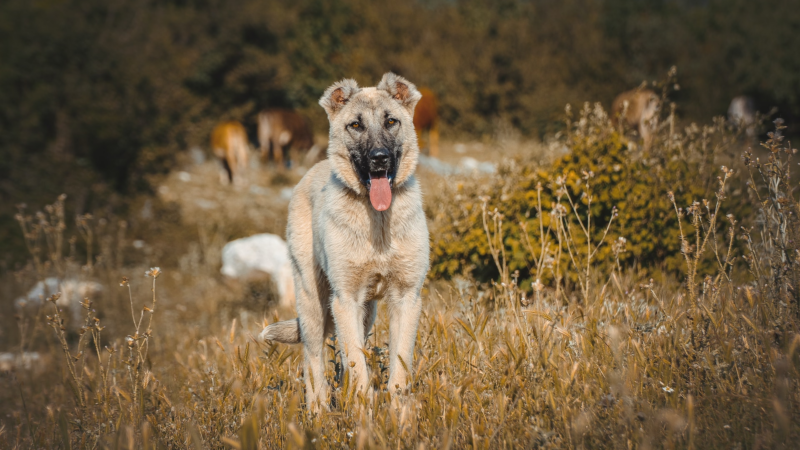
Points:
(598, 356)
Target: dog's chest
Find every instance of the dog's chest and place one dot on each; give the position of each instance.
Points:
(373, 243)
(369, 248)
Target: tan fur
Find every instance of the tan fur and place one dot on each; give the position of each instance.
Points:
(287, 331)
(640, 107)
(280, 130)
(229, 144)
(346, 255)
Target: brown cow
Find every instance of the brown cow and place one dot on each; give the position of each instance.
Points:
(426, 118)
(640, 107)
(280, 130)
(229, 143)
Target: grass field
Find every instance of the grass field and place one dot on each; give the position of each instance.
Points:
(595, 352)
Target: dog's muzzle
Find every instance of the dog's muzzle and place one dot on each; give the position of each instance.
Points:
(381, 174)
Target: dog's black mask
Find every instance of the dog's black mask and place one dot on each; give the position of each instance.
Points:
(376, 160)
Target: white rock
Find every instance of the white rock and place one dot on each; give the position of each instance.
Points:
(261, 253)
(487, 167)
(72, 291)
(197, 155)
(468, 163)
(436, 165)
(24, 360)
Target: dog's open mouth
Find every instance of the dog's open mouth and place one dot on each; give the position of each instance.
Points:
(380, 190)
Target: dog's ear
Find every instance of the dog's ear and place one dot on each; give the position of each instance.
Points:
(401, 90)
(336, 96)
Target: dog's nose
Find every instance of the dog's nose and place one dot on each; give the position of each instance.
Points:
(379, 159)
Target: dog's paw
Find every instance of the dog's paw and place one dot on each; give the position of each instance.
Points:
(398, 385)
(402, 399)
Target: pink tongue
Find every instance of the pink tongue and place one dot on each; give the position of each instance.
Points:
(380, 194)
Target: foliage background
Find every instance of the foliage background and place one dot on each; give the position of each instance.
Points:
(626, 183)
(97, 96)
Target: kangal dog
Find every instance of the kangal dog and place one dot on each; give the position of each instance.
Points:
(357, 234)
(637, 109)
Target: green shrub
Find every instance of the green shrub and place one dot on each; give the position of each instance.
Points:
(602, 175)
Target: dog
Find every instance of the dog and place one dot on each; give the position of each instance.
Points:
(229, 144)
(357, 233)
(637, 109)
(426, 118)
(742, 113)
(280, 130)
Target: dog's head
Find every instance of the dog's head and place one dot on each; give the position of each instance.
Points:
(372, 147)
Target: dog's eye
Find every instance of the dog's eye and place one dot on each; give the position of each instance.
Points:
(391, 122)
(355, 125)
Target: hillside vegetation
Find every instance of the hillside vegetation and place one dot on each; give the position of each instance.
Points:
(581, 348)
(100, 97)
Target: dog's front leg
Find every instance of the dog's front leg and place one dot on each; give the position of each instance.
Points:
(404, 314)
(312, 326)
(348, 315)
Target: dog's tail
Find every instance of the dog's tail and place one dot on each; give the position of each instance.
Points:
(287, 331)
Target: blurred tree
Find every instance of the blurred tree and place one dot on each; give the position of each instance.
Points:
(99, 95)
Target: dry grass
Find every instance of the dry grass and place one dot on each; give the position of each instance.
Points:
(169, 359)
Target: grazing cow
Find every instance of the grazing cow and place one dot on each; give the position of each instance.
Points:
(638, 110)
(426, 118)
(229, 143)
(742, 113)
(280, 130)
